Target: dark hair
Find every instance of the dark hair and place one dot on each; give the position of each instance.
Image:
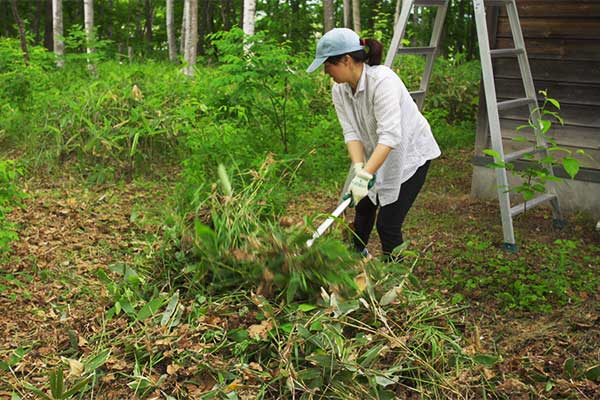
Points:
(372, 55)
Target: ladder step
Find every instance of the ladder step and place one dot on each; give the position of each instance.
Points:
(508, 104)
(430, 3)
(518, 154)
(519, 208)
(506, 52)
(417, 93)
(425, 51)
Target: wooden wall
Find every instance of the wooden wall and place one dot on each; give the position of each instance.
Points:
(562, 38)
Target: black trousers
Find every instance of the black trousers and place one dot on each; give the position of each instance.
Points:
(390, 217)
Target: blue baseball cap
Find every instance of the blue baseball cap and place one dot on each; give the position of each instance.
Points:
(334, 43)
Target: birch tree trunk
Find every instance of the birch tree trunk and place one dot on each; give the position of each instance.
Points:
(191, 37)
(397, 11)
(356, 15)
(88, 17)
(249, 16)
(57, 29)
(171, 32)
(183, 27)
(348, 13)
(328, 22)
(21, 26)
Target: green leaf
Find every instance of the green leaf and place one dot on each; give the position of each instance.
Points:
(484, 359)
(569, 367)
(306, 307)
(520, 139)
(385, 381)
(492, 153)
(571, 166)
(554, 102)
(171, 307)
(96, 362)
(593, 373)
(149, 309)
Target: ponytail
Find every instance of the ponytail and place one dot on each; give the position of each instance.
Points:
(374, 51)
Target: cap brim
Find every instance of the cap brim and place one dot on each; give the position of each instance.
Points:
(316, 64)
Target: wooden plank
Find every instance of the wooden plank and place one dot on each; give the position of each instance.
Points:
(574, 137)
(574, 115)
(545, 8)
(564, 49)
(551, 70)
(591, 158)
(564, 92)
(559, 28)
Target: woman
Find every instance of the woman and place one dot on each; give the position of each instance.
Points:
(389, 141)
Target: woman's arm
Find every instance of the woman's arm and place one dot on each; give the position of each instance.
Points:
(356, 151)
(377, 158)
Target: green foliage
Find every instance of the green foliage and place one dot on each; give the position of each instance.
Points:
(537, 176)
(10, 197)
(232, 242)
(536, 281)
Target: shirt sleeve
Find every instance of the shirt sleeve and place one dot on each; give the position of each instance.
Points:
(387, 113)
(350, 133)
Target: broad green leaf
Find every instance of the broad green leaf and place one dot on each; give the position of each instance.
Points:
(306, 307)
(571, 166)
(593, 373)
(171, 307)
(484, 359)
(385, 381)
(520, 139)
(554, 102)
(492, 153)
(569, 367)
(149, 309)
(97, 361)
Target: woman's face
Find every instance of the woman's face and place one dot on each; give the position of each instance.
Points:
(341, 71)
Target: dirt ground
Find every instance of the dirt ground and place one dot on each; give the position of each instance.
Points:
(52, 300)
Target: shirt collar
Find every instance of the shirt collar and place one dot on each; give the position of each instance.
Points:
(361, 83)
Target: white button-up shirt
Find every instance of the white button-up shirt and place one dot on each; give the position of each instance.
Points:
(382, 111)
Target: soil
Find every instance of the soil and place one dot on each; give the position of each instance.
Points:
(53, 301)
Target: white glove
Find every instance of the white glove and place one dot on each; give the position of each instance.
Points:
(359, 187)
(357, 167)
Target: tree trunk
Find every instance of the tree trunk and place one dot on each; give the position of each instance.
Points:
(35, 26)
(109, 20)
(149, 11)
(57, 25)
(171, 32)
(49, 26)
(397, 12)
(184, 29)
(191, 37)
(13, 4)
(328, 21)
(88, 17)
(249, 16)
(225, 14)
(356, 15)
(202, 25)
(348, 14)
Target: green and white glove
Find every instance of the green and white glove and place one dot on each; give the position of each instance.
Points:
(360, 185)
(357, 167)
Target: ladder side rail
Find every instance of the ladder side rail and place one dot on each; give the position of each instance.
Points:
(399, 31)
(440, 17)
(530, 92)
(493, 119)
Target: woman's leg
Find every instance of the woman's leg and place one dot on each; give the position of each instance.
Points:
(391, 217)
(364, 219)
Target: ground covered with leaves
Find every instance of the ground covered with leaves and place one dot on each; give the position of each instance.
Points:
(88, 313)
